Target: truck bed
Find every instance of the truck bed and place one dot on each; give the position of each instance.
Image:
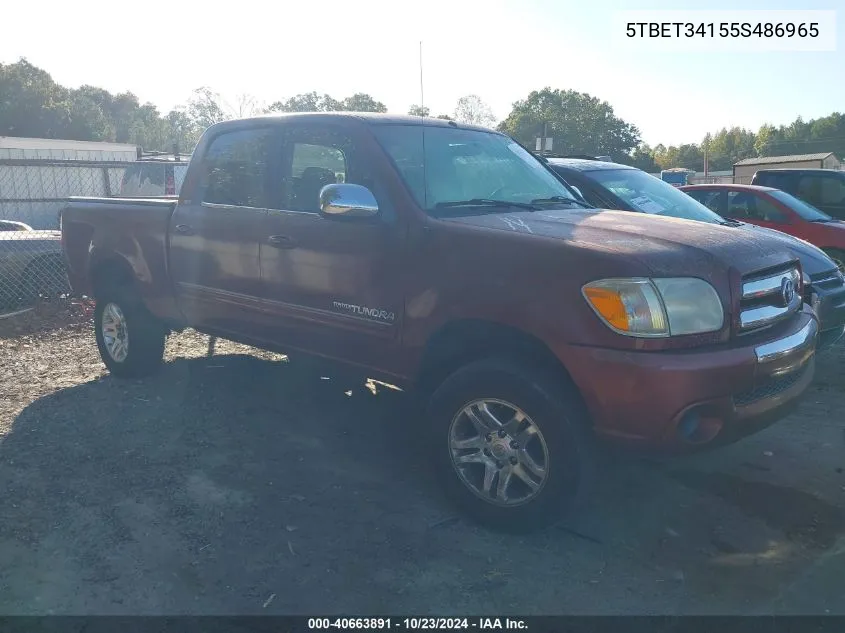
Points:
(135, 229)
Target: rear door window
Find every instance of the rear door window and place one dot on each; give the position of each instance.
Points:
(236, 169)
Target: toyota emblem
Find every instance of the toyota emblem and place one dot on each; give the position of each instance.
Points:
(787, 290)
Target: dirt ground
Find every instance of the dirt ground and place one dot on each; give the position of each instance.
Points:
(236, 485)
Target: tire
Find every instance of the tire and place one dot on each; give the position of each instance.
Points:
(144, 335)
(565, 444)
(837, 256)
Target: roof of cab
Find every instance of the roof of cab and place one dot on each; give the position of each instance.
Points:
(582, 164)
(367, 118)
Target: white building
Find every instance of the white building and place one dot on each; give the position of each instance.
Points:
(37, 175)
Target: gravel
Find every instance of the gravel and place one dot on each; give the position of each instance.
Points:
(236, 484)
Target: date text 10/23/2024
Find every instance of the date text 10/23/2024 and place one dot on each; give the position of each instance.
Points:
(420, 623)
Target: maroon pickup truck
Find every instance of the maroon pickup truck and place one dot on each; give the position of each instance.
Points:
(447, 258)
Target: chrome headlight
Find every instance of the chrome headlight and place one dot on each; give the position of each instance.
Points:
(659, 307)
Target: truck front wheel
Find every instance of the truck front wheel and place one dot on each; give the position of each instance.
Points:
(512, 446)
(129, 338)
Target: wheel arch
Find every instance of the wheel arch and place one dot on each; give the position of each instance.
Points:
(463, 341)
(110, 271)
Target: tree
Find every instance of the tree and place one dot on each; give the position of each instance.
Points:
(312, 102)
(306, 102)
(31, 103)
(248, 106)
(362, 102)
(728, 146)
(180, 131)
(642, 158)
(471, 109)
(578, 122)
(688, 155)
(87, 115)
(418, 110)
(205, 108)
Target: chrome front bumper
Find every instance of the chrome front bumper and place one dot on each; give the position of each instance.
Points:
(789, 353)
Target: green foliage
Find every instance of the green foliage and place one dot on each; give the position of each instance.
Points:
(361, 102)
(688, 155)
(312, 102)
(307, 102)
(32, 104)
(730, 145)
(578, 122)
(642, 158)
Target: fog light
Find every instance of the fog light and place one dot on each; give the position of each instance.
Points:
(689, 424)
(698, 429)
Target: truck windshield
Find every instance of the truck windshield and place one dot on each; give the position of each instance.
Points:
(465, 166)
(643, 192)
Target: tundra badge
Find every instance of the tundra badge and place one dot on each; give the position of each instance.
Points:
(370, 313)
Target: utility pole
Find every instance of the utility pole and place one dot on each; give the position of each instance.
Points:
(544, 143)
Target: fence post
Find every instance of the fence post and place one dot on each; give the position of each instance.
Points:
(107, 182)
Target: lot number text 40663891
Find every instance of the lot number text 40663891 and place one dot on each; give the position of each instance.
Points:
(418, 623)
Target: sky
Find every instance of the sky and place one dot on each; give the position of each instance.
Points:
(500, 50)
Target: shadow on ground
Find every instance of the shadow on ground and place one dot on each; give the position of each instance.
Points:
(234, 485)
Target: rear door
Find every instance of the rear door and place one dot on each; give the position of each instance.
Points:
(215, 231)
(332, 286)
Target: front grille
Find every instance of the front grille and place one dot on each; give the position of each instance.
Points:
(770, 388)
(767, 299)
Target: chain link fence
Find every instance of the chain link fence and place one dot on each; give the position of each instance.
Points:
(32, 194)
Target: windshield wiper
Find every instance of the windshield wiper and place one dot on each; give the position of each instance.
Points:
(561, 200)
(486, 202)
(823, 221)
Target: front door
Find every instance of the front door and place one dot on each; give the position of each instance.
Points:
(333, 286)
(215, 231)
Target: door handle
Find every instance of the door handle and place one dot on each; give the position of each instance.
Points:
(281, 241)
(185, 229)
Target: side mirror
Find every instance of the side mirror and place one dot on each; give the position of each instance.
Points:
(578, 191)
(347, 201)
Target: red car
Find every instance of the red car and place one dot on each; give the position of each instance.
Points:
(775, 209)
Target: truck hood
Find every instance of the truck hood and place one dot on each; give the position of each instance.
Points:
(666, 246)
(813, 259)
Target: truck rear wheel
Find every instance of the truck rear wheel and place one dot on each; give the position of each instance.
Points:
(512, 447)
(129, 338)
